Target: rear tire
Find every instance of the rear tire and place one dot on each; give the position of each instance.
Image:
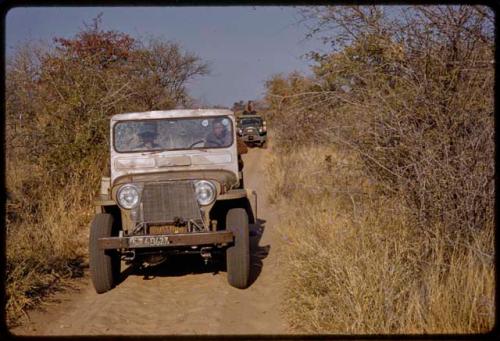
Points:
(238, 255)
(104, 264)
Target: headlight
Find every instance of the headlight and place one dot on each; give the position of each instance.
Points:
(128, 196)
(240, 131)
(205, 192)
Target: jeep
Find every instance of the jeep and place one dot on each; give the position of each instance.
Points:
(252, 129)
(174, 188)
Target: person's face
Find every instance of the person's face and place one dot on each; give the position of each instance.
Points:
(218, 129)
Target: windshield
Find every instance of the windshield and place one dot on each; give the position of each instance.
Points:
(250, 121)
(173, 134)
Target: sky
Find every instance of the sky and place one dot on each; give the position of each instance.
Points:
(243, 45)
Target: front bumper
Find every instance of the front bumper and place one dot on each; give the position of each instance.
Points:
(173, 240)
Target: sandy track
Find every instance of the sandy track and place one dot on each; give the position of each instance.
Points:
(182, 296)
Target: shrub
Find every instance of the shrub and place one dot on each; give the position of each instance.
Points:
(387, 153)
(417, 110)
(356, 264)
(59, 99)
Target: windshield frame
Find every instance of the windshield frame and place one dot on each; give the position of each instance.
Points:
(173, 119)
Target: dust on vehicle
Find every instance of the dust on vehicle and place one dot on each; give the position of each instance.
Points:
(175, 187)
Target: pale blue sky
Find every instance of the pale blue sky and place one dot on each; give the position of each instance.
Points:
(243, 45)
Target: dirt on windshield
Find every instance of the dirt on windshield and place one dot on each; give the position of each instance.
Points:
(182, 295)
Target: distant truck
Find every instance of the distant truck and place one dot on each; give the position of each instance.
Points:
(252, 129)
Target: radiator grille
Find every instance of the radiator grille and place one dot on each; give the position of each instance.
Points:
(163, 202)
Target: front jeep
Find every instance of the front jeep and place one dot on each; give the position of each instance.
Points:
(173, 189)
(252, 129)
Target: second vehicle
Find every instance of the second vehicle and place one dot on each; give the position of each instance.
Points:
(252, 129)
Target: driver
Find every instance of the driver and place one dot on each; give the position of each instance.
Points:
(147, 139)
(219, 137)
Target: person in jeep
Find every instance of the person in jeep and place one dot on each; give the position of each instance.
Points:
(147, 139)
(147, 136)
(219, 137)
(249, 110)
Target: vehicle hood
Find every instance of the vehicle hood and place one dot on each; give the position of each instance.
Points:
(251, 128)
(150, 163)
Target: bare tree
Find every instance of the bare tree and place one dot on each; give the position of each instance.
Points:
(411, 91)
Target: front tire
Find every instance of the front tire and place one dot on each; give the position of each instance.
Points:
(104, 264)
(238, 255)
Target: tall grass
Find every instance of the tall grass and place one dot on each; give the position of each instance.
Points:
(391, 193)
(46, 249)
(357, 264)
(59, 98)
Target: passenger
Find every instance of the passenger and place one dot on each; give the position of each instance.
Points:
(219, 137)
(249, 110)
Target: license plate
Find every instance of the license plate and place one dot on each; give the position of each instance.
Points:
(148, 241)
(250, 137)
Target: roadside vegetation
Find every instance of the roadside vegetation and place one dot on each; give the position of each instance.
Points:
(59, 97)
(384, 163)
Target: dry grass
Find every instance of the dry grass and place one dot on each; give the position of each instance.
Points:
(357, 265)
(57, 133)
(43, 249)
(390, 228)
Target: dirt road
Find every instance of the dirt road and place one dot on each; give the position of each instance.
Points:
(181, 296)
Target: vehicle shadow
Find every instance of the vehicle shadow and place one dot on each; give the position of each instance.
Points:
(257, 253)
(182, 265)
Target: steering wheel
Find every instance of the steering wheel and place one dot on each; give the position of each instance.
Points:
(194, 144)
